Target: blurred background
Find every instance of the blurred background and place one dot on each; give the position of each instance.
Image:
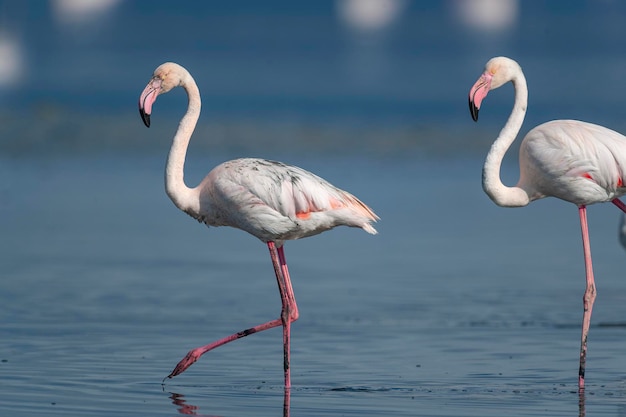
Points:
(394, 68)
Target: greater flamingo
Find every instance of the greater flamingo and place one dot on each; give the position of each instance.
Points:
(572, 160)
(270, 200)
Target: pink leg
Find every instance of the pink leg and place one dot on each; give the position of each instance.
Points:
(619, 204)
(588, 298)
(590, 292)
(289, 314)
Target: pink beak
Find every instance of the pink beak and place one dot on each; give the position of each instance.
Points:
(478, 92)
(147, 98)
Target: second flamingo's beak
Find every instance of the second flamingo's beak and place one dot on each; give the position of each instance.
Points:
(147, 98)
(478, 92)
(472, 107)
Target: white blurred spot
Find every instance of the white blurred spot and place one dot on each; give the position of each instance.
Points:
(11, 61)
(369, 15)
(78, 12)
(487, 15)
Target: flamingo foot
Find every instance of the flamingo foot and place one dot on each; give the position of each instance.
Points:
(192, 356)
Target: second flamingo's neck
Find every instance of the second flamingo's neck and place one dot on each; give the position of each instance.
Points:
(492, 184)
(177, 190)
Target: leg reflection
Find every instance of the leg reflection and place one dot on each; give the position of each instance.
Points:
(188, 409)
(581, 402)
(287, 402)
(184, 408)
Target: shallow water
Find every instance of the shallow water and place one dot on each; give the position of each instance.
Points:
(457, 307)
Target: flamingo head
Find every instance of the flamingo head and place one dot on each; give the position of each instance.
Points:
(498, 71)
(165, 77)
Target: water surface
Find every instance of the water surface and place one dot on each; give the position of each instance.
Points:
(457, 307)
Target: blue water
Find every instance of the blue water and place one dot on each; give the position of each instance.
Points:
(456, 308)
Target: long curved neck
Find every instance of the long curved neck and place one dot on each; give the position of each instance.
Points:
(493, 186)
(177, 190)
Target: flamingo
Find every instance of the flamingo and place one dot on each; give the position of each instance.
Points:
(270, 200)
(575, 161)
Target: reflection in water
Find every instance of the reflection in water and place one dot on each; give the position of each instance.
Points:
(184, 408)
(581, 402)
(193, 410)
(287, 402)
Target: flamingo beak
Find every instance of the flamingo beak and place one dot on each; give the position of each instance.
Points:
(147, 98)
(478, 92)
(144, 116)
(472, 107)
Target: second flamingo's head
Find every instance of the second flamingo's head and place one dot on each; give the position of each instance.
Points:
(498, 71)
(165, 77)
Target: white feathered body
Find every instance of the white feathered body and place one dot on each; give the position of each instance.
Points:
(575, 161)
(275, 202)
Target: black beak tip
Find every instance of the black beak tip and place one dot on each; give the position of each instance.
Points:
(473, 111)
(145, 117)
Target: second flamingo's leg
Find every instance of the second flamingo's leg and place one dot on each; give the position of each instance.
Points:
(590, 291)
(588, 298)
(619, 204)
(289, 313)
